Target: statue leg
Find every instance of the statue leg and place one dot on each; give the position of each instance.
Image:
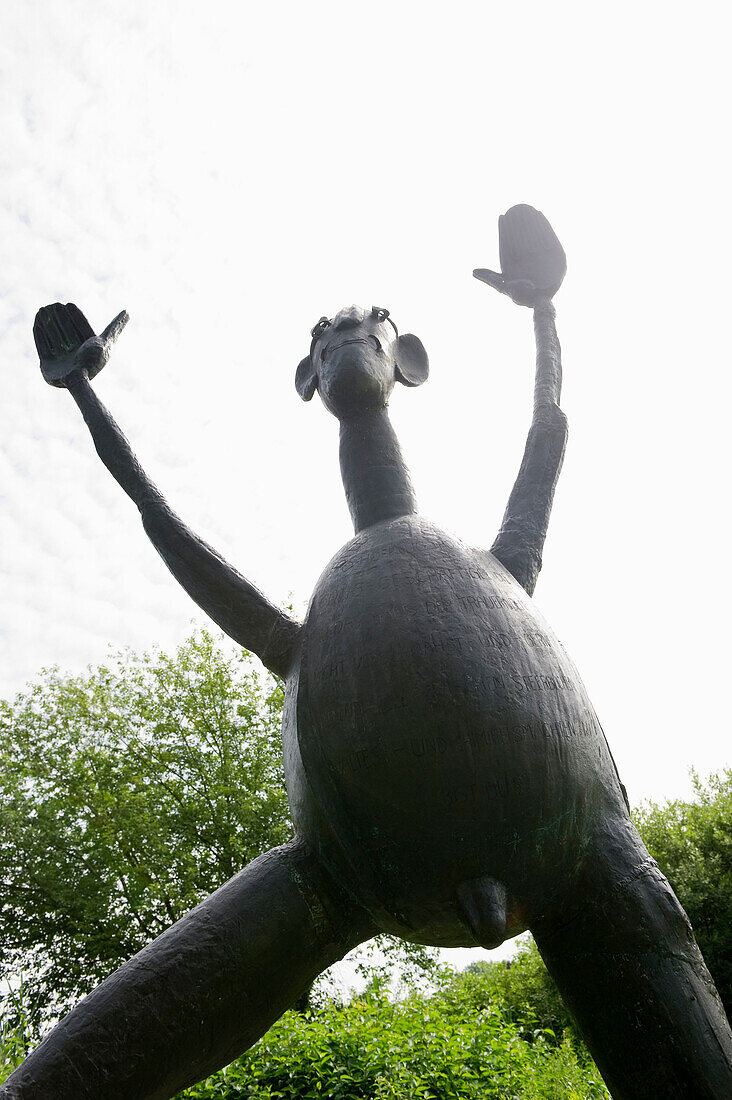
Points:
(622, 952)
(204, 991)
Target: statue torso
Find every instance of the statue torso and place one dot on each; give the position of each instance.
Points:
(436, 731)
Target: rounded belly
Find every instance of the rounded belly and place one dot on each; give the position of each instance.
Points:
(442, 732)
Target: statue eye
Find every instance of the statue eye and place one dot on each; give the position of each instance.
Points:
(382, 315)
(320, 328)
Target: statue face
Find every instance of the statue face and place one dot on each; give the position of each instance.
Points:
(353, 358)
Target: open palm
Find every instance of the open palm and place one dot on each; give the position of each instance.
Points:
(532, 259)
(66, 342)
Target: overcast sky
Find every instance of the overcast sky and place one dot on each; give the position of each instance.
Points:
(230, 172)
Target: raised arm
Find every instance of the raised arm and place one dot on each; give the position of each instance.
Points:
(70, 355)
(520, 540)
(533, 264)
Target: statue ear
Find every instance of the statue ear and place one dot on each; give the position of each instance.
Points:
(306, 380)
(412, 364)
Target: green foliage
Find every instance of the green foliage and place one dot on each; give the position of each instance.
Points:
(17, 1032)
(427, 1047)
(522, 987)
(126, 796)
(692, 842)
(14, 1045)
(388, 962)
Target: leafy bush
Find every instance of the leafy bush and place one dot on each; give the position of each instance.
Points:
(438, 1047)
(521, 986)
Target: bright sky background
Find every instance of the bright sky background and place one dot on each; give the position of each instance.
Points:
(228, 172)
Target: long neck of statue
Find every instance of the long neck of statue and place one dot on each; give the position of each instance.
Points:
(375, 476)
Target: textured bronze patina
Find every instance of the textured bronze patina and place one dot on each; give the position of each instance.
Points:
(448, 778)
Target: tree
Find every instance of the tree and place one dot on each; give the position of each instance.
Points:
(692, 843)
(126, 796)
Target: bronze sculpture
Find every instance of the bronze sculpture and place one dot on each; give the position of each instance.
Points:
(448, 778)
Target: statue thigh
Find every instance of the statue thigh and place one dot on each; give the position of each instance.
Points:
(622, 951)
(204, 991)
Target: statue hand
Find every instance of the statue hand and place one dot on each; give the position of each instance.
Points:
(532, 258)
(66, 342)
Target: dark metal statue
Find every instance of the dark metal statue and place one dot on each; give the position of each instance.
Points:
(448, 777)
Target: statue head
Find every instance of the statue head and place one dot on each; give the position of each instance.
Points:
(355, 359)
